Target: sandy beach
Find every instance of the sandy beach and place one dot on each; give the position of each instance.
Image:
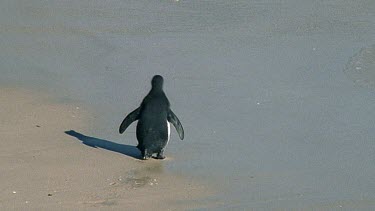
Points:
(47, 163)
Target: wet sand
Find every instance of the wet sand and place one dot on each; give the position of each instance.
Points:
(48, 163)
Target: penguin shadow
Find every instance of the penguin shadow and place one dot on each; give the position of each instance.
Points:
(128, 150)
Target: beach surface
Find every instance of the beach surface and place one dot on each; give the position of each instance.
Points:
(276, 99)
(48, 164)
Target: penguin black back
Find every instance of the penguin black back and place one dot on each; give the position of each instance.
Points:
(153, 115)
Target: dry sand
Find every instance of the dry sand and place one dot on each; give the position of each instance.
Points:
(45, 168)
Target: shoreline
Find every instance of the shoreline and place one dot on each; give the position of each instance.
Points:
(48, 163)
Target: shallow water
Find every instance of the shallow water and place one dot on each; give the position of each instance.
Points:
(361, 67)
(266, 91)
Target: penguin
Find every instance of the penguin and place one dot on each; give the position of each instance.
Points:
(154, 116)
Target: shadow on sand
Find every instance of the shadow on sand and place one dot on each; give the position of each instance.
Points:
(128, 150)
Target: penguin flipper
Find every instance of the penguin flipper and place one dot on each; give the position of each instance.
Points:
(130, 118)
(172, 118)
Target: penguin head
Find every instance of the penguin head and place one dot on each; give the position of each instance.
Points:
(157, 82)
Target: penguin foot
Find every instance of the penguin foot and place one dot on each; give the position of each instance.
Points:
(145, 155)
(160, 157)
